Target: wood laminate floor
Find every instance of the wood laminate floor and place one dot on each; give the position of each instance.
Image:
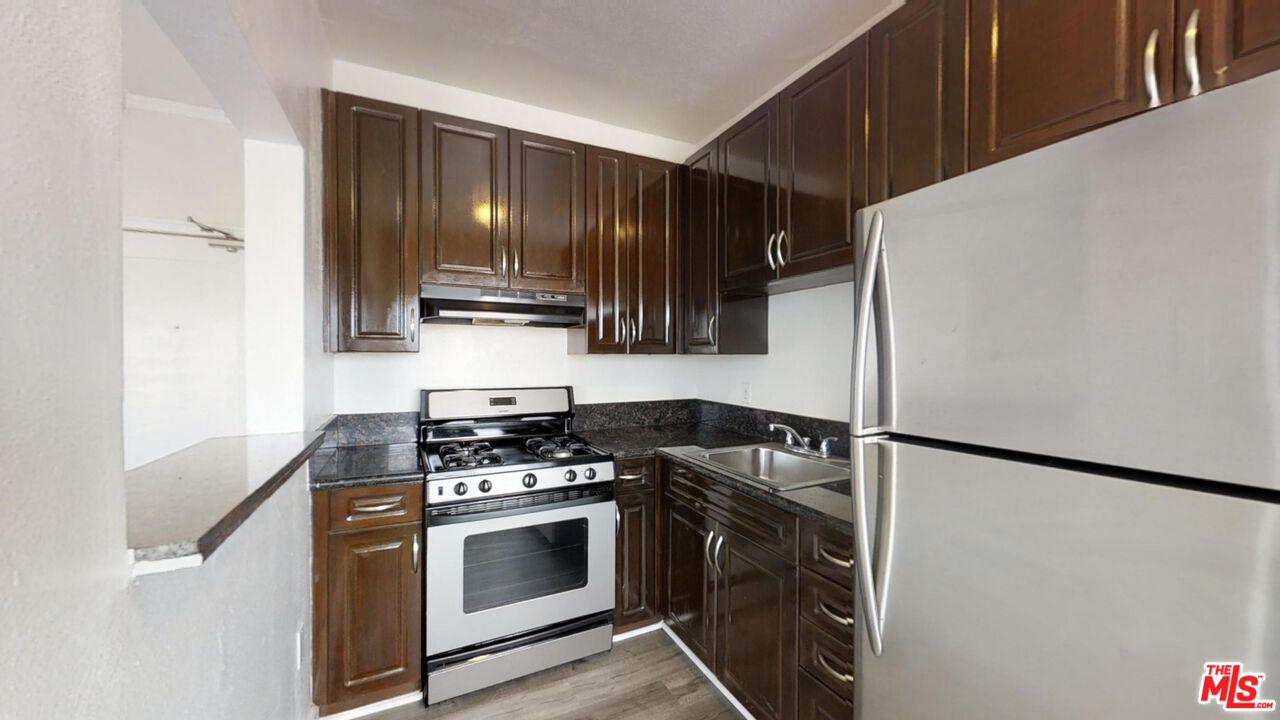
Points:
(646, 677)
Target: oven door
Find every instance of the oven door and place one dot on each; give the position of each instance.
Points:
(511, 570)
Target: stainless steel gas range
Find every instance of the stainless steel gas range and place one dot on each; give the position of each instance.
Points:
(520, 527)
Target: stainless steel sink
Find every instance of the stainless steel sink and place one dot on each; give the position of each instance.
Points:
(771, 465)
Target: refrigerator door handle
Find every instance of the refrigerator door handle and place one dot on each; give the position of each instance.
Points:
(873, 575)
(862, 339)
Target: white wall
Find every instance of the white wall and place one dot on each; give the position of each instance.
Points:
(183, 301)
(806, 371)
(428, 95)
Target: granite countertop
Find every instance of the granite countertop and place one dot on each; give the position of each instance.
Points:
(181, 507)
(830, 505)
(356, 465)
(625, 442)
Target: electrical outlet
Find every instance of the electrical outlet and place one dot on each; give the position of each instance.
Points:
(746, 392)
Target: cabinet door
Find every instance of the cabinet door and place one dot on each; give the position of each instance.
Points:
(653, 216)
(375, 614)
(690, 583)
(756, 636)
(607, 261)
(1236, 40)
(917, 89)
(816, 702)
(701, 293)
(749, 206)
(637, 570)
(372, 199)
(822, 162)
(464, 202)
(548, 189)
(1044, 71)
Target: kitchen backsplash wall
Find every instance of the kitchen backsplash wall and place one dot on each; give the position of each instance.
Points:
(806, 371)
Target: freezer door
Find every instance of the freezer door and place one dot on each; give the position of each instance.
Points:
(1022, 591)
(1112, 298)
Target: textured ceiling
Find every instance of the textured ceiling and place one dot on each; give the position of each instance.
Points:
(672, 68)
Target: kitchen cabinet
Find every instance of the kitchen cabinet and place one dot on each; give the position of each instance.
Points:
(816, 702)
(917, 95)
(1233, 40)
(712, 323)
(731, 588)
(371, 221)
(637, 544)
(749, 206)
(1043, 72)
(368, 594)
(632, 252)
(822, 163)
(465, 210)
(548, 216)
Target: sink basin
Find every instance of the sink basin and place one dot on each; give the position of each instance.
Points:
(776, 467)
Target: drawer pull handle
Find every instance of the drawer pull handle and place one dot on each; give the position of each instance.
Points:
(838, 562)
(826, 665)
(630, 476)
(383, 507)
(417, 550)
(825, 609)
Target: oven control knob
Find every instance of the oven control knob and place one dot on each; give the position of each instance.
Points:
(530, 480)
(460, 489)
(485, 486)
(570, 475)
(589, 473)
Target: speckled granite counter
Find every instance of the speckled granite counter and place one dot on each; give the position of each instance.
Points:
(181, 507)
(625, 442)
(828, 505)
(356, 465)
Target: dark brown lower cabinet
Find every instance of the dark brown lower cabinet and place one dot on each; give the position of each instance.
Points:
(637, 571)
(690, 582)
(368, 598)
(816, 702)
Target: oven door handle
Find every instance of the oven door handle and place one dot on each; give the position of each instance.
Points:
(447, 515)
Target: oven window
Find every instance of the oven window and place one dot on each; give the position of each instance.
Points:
(509, 566)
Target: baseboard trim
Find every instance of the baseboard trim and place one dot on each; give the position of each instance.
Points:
(376, 707)
(706, 672)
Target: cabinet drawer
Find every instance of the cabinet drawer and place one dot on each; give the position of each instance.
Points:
(828, 605)
(771, 527)
(361, 507)
(827, 659)
(634, 474)
(815, 702)
(827, 551)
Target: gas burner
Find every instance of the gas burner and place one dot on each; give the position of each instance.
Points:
(558, 448)
(466, 455)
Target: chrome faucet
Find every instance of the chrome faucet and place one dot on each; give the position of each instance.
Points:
(800, 444)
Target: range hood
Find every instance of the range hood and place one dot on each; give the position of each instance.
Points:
(476, 306)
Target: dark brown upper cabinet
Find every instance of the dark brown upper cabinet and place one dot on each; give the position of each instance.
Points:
(916, 96)
(749, 203)
(1045, 71)
(822, 166)
(548, 216)
(465, 209)
(607, 319)
(371, 218)
(653, 202)
(1233, 40)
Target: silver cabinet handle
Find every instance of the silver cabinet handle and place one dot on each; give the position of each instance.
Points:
(1189, 54)
(706, 547)
(1149, 69)
(635, 333)
(716, 555)
(504, 264)
(711, 332)
(417, 550)
(413, 320)
(382, 507)
(617, 520)
(834, 560)
(837, 618)
(637, 476)
(768, 252)
(782, 261)
(515, 262)
(826, 665)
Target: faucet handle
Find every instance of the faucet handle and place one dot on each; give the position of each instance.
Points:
(824, 447)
